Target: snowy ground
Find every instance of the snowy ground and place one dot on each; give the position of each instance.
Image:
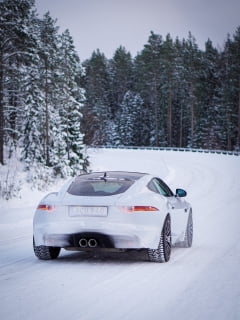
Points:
(198, 283)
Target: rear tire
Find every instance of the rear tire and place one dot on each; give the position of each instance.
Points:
(45, 252)
(163, 252)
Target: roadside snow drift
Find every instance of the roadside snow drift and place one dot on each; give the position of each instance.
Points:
(198, 283)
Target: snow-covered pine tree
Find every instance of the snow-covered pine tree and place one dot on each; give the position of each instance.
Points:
(139, 116)
(180, 96)
(168, 88)
(126, 120)
(40, 86)
(192, 70)
(32, 141)
(97, 110)
(53, 98)
(69, 100)
(121, 76)
(111, 132)
(129, 124)
(209, 133)
(15, 43)
(148, 80)
(236, 49)
(231, 89)
(33, 123)
(48, 69)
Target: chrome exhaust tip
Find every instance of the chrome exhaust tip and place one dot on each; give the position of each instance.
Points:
(83, 243)
(92, 243)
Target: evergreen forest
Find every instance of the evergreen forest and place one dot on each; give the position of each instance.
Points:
(171, 94)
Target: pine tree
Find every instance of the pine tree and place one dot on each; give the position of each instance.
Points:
(129, 125)
(231, 89)
(69, 100)
(97, 110)
(236, 48)
(139, 115)
(209, 124)
(15, 43)
(40, 91)
(180, 113)
(192, 70)
(52, 133)
(121, 76)
(148, 71)
(48, 70)
(33, 122)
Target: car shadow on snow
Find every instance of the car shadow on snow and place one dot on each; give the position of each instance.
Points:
(132, 256)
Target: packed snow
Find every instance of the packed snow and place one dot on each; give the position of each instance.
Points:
(198, 283)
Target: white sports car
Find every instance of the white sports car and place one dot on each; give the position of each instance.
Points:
(115, 211)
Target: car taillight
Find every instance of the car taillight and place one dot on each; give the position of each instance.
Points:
(132, 209)
(46, 207)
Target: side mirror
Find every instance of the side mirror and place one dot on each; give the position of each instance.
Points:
(181, 193)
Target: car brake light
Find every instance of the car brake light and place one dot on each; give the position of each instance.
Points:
(46, 207)
(132, 209)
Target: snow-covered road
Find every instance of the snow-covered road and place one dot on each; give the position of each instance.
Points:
(198, 283)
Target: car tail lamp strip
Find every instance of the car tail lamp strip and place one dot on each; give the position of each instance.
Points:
(133, 209)
(46, 207)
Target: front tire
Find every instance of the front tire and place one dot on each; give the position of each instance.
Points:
(163, 252)
(188, 238)
(45, 252)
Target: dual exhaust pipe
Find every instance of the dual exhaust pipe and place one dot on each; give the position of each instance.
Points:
(91, 243)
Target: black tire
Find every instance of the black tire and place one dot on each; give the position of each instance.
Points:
(163, 252)
(188, 238)
(45, 252)
(189, 232)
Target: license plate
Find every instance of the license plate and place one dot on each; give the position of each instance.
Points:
(85, 211)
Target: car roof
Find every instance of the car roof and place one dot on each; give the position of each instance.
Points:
(112, 175)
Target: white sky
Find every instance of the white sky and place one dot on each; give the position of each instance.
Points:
(107, 24)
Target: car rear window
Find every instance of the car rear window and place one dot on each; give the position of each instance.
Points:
(102, 184)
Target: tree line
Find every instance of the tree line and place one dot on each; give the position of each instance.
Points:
(170, 94)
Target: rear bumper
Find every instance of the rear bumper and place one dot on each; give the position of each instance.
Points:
(103, 241)
(114, 236)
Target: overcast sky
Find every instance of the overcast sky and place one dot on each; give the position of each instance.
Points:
(107, 24)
